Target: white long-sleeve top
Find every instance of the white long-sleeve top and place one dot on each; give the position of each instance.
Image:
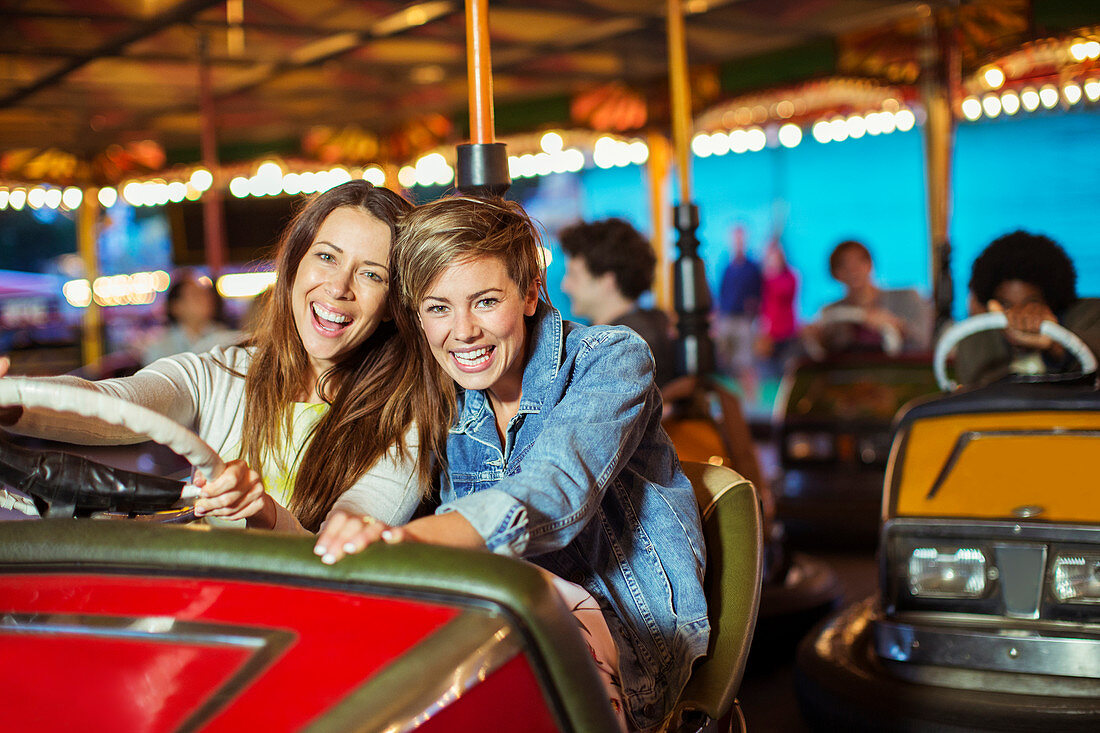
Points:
(199, 392)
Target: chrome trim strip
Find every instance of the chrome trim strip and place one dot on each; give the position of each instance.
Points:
(1015, 650)
(991, 529)
(419, 683)
(265, 645)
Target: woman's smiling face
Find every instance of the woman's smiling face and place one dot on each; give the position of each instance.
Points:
(473, 319)
(339, 293)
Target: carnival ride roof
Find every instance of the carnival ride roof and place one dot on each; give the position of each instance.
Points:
(94, 92)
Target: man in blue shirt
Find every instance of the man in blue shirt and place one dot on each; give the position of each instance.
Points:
(738, 307)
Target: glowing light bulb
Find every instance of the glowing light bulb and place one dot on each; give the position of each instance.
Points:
(971, 108)
(856, 126)
(838, 128)
(292, 184)
(756, 139)
(238, 187)
(201, 179)
(78, 293)
(790, 135)
(375, 175)
(176, 191)
(108, 197)
(700, 145)
(1048, 95)
(552, 142)
(993, 77)
(72, 197)
(991, 104)
(719, 143)
(603, 152)
(574, 159)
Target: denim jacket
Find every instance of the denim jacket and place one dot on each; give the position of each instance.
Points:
(588, 486)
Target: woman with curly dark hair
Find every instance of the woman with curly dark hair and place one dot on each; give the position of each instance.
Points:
(1031, 279)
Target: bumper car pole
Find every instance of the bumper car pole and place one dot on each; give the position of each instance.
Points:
(691, 295)
(87, 232)
(481, 166)
(939, 79)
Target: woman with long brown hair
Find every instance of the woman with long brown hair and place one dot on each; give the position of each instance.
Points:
(326, 411)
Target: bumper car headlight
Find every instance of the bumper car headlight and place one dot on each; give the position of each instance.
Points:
(1077, 578)
(939, 573)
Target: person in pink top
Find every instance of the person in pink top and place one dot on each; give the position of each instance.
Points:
(778, 341)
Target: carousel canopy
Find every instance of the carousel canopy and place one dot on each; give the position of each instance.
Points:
(96, 93)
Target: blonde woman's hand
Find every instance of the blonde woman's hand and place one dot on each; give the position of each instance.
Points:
(344, 533)
(238, 493)
(9, 414)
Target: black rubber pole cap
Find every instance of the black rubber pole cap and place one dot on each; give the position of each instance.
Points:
(482, 169)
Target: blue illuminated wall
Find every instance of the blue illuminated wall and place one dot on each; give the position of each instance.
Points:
(1039, 172)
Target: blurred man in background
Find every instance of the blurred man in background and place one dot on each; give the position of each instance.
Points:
(738, 308)
(609, 265)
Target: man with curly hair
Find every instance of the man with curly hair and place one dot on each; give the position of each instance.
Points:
(609, 265)
(1031, 279)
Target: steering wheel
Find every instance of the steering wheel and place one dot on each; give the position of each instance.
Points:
(891, 337)
(993, 321)
(67, 398)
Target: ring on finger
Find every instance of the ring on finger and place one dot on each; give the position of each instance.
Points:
(367, 520)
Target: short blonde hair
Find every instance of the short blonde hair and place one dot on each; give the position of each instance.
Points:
(438, 234)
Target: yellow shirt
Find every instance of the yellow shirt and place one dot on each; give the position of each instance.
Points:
(280, 471)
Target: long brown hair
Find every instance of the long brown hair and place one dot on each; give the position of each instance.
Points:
(375, 391)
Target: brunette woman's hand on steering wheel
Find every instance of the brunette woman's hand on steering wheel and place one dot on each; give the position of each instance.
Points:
(238, 493)
(8, 415)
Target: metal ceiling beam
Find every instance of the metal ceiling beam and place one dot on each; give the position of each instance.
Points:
(286, 29)
(334, 46)
(146, 57)
(182, 12)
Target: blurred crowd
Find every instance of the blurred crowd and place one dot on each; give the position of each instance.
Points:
(756, 331)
